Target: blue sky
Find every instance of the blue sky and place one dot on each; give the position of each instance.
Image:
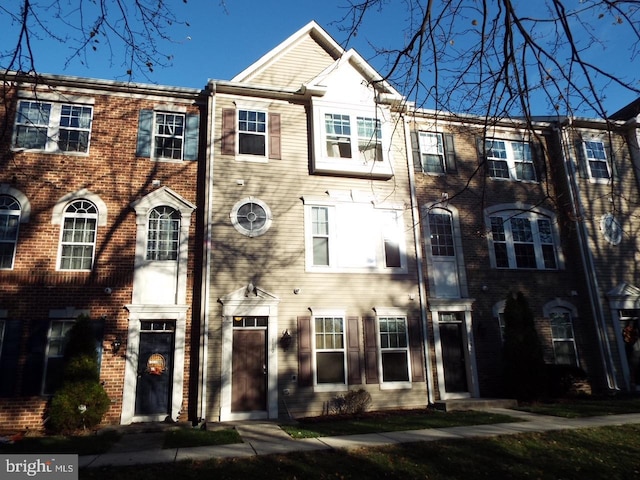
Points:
(222, 40)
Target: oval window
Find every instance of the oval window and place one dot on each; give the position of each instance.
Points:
(611, 229)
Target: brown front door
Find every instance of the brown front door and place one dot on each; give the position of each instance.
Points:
(249, 371)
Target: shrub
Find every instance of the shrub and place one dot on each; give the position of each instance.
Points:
(524, 367)
(81, 401)
(566, 380)
(78, 405)
(352, 403)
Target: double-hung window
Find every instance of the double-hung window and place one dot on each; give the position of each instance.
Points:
(330, 355)
(56, 344)
(252, 132)
(354, 237)
(509, 159)
(9, 224)
(168, 135)
(78, 238)
(441, 235)
(341, 143)
(53, 127)
(431, 152)
(163, 234)
(564, 343)
(523, 240)
(394, 348)
(351, 141)
(597, 159)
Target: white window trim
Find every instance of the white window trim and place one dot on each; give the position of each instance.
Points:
(607, 160)
(438, 207)
(323, 163)
(440, 140)
(333, 204)
(233, 215)
(53, 127)
(328, 387)
(14, 242)
(510, 160)
(555, 305)
(154, 134)
(61, 243)
(254, 106)
(388, 312)
(611, 228)
(518, 210)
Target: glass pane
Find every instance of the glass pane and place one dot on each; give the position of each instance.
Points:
(525, 255)
(395, 367)
(330, 367)
(321, 251)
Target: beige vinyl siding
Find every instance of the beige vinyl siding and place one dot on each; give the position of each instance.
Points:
(296, 66)
(275, 261)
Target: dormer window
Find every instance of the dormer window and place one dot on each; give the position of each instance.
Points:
(351, 141)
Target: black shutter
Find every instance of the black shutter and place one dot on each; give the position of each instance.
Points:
(305, 373)
(353, 351)
(449, 154)
(10, 355)
(34, 365)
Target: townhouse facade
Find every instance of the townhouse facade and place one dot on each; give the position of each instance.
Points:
(98, 195)
(262, 246)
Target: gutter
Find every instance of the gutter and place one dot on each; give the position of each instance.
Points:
(206, 256)
(415, 211)
(587, 259)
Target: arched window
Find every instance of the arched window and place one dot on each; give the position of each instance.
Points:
(78, 239)
(163, 235)
(523, 238)
(9, 224)
(561, 315)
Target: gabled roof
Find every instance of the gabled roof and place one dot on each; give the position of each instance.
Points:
(624, 290)
(310, 29)
(335, 57)
(361, 66)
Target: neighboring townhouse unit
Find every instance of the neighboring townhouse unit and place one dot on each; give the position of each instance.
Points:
(493, 223)
(602, 195)
(313, 283)
(259, 248)
(98, 194)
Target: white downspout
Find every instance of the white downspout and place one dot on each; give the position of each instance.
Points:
(206, 254)
(587, 260)
(415, 211)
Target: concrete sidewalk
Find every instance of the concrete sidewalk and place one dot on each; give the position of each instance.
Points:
(265, 438)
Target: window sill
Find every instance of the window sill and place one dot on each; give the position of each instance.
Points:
(331, 387)
(353, 168)
(251, 158)
(40, 151)
(363, 270)
(395, 386)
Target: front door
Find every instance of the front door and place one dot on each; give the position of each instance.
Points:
(155, 370)
(249, 365)
(453, 354)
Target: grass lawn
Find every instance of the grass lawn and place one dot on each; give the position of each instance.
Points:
(586, 406)
(81, 444)
(609, 453)
(372, 422)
